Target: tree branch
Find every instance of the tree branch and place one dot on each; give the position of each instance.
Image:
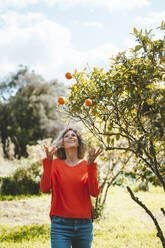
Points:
(118, 148)
(163, 211)
(159, 233)
(111, 134)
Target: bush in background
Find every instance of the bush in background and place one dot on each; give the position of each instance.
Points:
(23, 181)
(26, 178)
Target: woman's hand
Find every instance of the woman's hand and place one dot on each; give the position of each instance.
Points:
(50, 152)
(92, 155)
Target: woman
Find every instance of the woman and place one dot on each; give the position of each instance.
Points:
(72, 181)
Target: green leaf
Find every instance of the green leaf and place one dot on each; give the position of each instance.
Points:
(135, 30)
(138, 47)
(108, 139)
(112, 142)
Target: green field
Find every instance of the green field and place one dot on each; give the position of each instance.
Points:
(124, 224)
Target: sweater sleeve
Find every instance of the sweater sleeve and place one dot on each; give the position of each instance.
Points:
(94, 187)
(45, 183)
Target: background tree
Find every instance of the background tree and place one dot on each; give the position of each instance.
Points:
(29, 113)
(128, 101)
(12, 82)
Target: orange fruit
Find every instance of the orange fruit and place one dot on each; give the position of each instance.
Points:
(68, 75)
(61, 100)
(88, 102)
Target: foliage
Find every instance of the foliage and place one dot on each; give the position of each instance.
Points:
(139, 174)
(128, 110)
(14, 81)
(30, 114)
(25, 179)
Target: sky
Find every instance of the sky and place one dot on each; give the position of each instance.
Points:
(53, 37)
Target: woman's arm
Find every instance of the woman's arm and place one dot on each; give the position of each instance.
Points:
(94, 187)
(93, 183)
(45, 183)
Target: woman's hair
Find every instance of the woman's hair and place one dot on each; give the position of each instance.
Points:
(60, 153)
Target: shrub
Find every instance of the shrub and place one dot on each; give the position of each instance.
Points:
(26, 178)
(23, 181)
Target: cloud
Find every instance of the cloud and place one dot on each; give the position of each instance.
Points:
(44, 46)
(10, 4)
(33, 40)
(101, 54)
(93, 25)
(98, 56)
(153, 19)
(150, 21)
(112, 5)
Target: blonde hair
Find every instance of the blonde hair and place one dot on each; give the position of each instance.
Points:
(60, 153)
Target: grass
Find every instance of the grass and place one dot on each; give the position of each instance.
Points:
(25, 236)
(16, 197)
(124, 224)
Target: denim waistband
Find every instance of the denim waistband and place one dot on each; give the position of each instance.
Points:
(70, 221)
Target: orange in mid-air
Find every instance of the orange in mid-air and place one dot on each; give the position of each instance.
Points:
(61, 100)
(68, 75)
(88, 102)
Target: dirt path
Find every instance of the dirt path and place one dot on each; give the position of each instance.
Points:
(25, 211)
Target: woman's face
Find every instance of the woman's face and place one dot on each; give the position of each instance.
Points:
(70, 140)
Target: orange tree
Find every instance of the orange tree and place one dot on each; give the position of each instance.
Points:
(128, 102)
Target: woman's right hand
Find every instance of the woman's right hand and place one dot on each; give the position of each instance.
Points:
(50, 152)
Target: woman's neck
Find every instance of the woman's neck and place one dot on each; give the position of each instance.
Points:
(71, 157)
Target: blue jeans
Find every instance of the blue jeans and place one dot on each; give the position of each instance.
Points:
(71, 231)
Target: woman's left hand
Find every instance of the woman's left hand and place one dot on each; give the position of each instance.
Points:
(92, 155)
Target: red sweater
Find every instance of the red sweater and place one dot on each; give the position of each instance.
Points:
(71, 187)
